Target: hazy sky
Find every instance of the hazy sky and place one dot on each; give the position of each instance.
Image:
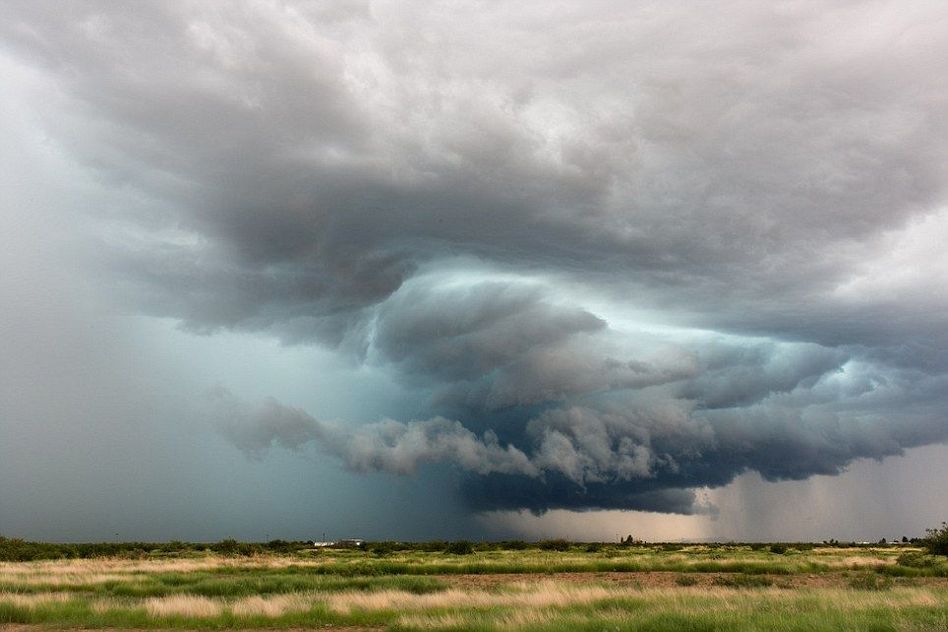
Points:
(472, 269)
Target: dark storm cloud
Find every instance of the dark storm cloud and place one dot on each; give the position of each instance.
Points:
(475, 197)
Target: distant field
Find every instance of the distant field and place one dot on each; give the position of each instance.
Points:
(638, 587)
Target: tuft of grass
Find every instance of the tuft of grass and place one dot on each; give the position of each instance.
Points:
(271, 607)
(10, 613)
(191, 606)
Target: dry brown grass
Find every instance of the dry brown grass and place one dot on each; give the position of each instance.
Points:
(65, 579)
(439, 622)
(854, 561)
(183, 605)
(101, 606)
(272, 607)
(526, 617)
(31, 600)
(536, 595)
(202, 607)
(98, 566)
(80, 572)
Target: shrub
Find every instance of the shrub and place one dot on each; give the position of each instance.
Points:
(936, 541)
(554, 545)
(461, 547)
(778, 548)
(382, 548)
(915, 560)
(233, 547)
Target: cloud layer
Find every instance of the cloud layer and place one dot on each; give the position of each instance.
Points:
(626, 250)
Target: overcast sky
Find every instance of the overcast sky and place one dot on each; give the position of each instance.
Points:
(470, 269)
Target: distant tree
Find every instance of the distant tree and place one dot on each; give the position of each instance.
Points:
(937, 540)
(382, 548)
(905, 539)
(229, 546)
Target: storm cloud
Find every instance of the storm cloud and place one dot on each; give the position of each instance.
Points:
(623, 251)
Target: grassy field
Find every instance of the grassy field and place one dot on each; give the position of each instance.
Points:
(605, 588)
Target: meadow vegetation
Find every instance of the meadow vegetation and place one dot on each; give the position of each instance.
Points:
(553, 585)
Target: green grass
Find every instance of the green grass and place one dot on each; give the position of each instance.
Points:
(226, 585)
(757, 610)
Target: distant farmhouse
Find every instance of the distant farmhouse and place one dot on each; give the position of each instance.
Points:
(347, 543)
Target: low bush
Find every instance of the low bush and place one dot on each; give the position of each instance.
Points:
(914, 559)
(554, 545)
(233, 547)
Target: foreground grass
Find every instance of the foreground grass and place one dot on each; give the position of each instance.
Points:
(714, 588)
(544, 606)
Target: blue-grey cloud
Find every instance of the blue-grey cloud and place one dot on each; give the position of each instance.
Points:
(387, 446)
